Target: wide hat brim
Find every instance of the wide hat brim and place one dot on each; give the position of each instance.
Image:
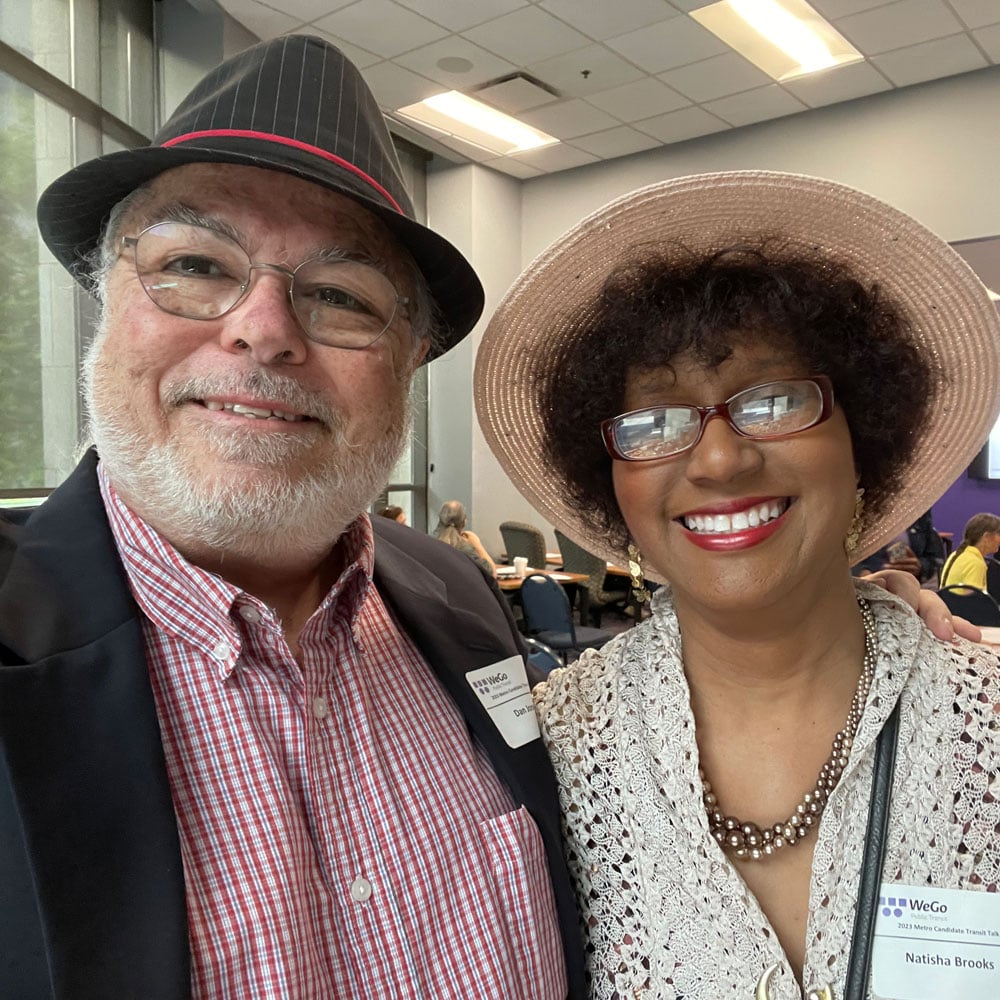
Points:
(947, 306)
(74, 209)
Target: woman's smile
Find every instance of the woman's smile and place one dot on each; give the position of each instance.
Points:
(734, 524)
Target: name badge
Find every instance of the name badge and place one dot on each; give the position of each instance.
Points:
(505, 693)
(934, 943)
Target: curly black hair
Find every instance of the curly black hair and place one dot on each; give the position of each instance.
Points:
(673, 302)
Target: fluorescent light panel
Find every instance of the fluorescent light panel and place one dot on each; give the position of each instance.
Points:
(465, 118)
(785, 38)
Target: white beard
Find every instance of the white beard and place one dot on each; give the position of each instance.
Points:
(260, 516)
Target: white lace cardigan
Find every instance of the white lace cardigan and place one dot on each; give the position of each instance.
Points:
(665, 913)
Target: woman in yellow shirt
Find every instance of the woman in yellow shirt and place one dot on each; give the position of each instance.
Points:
(966, 566)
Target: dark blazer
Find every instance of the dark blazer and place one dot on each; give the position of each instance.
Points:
(92, 903)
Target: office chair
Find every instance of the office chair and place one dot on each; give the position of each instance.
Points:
(974, 605)
(548, 617)
(593, 597)
(526, 540)
(545, 658)
(993, 579)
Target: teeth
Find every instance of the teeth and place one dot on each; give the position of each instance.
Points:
(252, 412)
(753, 517)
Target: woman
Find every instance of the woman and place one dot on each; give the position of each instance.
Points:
(966, 566)
(778, 396)
(452, 531)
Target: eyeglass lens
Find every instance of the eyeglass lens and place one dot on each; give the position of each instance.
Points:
(200, 273)
(763, 411)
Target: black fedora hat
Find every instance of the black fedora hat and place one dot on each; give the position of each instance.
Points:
(294, 104)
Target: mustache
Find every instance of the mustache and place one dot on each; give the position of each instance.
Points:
(258, 382)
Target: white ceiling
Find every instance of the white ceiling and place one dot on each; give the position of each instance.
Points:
(629, 74)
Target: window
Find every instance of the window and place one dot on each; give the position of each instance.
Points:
(59, 105)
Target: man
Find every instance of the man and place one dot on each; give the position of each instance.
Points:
(922, 554)
(253, 744)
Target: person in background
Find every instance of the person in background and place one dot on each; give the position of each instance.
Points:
(922, 554)
(739, 381)
(248, 742)
(396, 514)
(966, 566)
(452, 531)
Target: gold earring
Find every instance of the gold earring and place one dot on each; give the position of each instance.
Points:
(854, 531)
(639, 592)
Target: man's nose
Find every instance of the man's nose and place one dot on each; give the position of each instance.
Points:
(264, 323)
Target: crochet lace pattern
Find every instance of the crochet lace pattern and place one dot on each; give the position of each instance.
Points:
(665, 913)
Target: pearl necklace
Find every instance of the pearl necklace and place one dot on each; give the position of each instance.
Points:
(747, 841)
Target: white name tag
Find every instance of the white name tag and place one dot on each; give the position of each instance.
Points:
(936, 943)
(505, 693)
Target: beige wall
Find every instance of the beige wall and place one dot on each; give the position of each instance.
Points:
(931, 150)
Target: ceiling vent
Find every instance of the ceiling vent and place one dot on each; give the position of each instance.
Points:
(515, 93)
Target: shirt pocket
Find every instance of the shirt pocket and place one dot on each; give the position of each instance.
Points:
(516, 855)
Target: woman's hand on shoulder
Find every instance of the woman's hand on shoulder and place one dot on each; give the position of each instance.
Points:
(927, 604)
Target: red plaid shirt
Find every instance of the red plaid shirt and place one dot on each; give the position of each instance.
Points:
(341, 834)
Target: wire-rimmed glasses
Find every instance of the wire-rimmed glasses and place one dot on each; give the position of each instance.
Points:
(770, 410)
(201, 273)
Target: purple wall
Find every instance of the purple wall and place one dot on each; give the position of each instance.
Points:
(964, 498)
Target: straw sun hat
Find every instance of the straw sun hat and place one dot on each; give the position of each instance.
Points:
(946, 305)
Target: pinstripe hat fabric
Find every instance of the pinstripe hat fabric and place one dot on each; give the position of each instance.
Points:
(294, 104)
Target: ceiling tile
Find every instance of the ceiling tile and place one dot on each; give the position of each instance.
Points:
(515, 96)
(602, 19)
(755, 105)
(843, 83)
(896, 25)
(395, 87)
(484, 65)
(309, 10)
(663, 46)
(459, 16)
(832, 9)
(604, 69)
(716, 77)
(566, 119)
(942, 57)
(641, 99)
(381, 26)
(977, 13)
(359, 57)
(686, 6)
(552, 158)
(515, 168)
(615, 142)
(989, 39)
(527, 36)
(680, 125)
(265, 22)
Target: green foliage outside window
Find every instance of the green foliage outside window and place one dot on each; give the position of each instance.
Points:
(21, 443)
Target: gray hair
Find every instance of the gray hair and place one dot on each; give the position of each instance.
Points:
(423, 312)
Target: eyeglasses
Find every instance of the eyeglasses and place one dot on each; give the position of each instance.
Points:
(200, 273)
(770, 410)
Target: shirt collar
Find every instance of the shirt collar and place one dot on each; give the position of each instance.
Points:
(198, 606)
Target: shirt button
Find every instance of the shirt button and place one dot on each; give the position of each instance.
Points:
(320, 709)
(249, 613)
(222, 651)
(361, 890)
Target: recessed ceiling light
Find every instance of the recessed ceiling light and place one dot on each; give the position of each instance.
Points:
(459, 115)
(785, 38)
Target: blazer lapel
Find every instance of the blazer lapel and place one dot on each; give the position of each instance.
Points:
(82, 746)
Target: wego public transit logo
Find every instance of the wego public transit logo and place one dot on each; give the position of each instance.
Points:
(893, 906)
